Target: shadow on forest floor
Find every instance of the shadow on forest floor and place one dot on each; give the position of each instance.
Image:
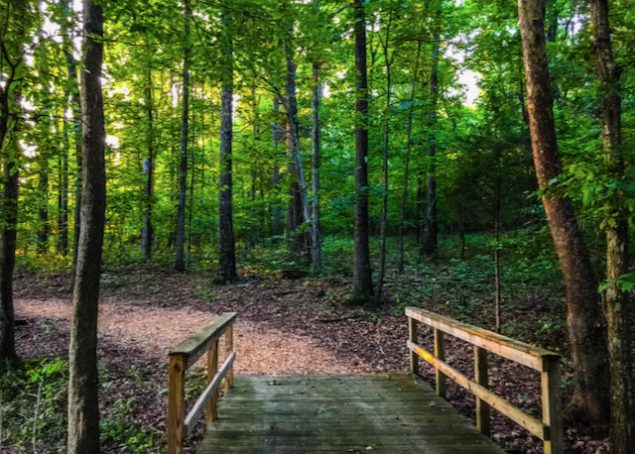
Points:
(285, 326)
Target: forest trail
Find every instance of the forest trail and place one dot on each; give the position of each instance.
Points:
(154, 330)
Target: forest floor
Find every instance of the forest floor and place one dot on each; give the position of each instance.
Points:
(284, 326)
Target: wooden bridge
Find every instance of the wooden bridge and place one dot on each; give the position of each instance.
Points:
(355, 413)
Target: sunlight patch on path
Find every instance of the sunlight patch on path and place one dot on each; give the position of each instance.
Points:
(155, 330)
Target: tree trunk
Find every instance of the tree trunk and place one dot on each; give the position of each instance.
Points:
(294, 136)
(497, 266)
(227, 246)
(616, 301)
(276, 224)
(362, 275)
(43, 212)
(9, 234)
(83, 387)
(62, 193)
(179, 263)
(385, 152)
(406, 173)
(430, 242)
(9, 94)
(316, 240)
(584, 317)
(147, 233)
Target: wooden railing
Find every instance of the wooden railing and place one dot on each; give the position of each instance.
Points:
(548, 428)
(179, 426)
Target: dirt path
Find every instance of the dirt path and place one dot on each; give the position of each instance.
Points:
(154, 330)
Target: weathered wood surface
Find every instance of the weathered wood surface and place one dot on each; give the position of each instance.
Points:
(345, 414)
(193, 347)
(512, 349)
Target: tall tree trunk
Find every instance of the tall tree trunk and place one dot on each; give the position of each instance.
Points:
(276, 224)
(227, 245)
(616, 301)
(83, 387)
(385, 152)
(190, 211)
(497, 267)
(62, 193)
(362, 275)
(70, 91)
(406, 172)
(294, 137)
(147, 233)
(584, 317)
(9, 234)
(43, 211)
(316, 240)
(552, 25)
(179, 263)
(294, 206)
(420, 206)
(9, 94)
(430, 243)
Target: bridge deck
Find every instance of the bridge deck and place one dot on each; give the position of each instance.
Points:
(349, 414)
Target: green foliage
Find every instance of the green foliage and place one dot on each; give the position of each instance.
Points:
(33, 399)
(119, 434)
(33, 403)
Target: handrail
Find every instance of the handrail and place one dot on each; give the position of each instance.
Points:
(548, 428)
(180, 359)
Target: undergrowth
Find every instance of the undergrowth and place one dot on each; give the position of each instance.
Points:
(33, 405)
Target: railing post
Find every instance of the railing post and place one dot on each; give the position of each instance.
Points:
(439, 353)
(212, 368)
(552, 404)
(229, 349)
(412, 335)
(480, 376)
(176, 395)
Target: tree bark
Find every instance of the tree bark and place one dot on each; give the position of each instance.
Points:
(302, 205)
(62, 193)
(43, 212)
(179, 263)
(316, 240)
(406, 173)
(276, 224)
(430, 242)
(227, 245)
(385, 152)
(147, 233)
(83, 387)
(584, 317)
(9, 237)
(497, 264)
(362, 275)
(616, 301)
(9, 94)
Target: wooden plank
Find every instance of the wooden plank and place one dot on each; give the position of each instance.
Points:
(520, 352)
(176, 394)
(327, 421)
(211, 412)
(208, 393)
(530, 423)
(229, 348)
(412, 335)
(552, 406)
(439, 352)
(481, 378)
(194, 347)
